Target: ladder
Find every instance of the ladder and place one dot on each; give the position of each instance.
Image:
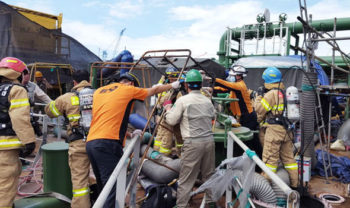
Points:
(321, 128)
(324, 140)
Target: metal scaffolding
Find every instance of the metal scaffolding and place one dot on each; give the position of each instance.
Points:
(311, 39)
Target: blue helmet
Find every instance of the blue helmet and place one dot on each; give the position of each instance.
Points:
(172, 71)
(272, 75)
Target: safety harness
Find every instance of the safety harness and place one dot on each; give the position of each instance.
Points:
(279, 119)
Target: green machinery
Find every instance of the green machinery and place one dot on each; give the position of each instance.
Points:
(57, 179)
(224, 126)
(270, 38)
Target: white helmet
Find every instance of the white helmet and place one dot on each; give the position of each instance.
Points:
(238, 69)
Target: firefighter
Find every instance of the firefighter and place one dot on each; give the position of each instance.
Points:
(277, 142)
(68, 105)
(243, 109)
(163, 142)
(16, 130)
(112, 105)
(194, 112)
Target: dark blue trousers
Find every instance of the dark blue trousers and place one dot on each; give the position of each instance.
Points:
(104, 155)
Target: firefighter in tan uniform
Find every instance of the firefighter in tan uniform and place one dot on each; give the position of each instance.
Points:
(164, 141)
(277, 144)
(68, 105)
(16, 130)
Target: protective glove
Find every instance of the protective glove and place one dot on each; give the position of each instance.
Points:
(27, 150)
(261, 91)
(176, 85)
(137, 132)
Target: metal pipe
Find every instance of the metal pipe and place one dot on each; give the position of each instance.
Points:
(324, 61)
(284, 187)
(320, 34)
(112, 179)
(295, 28)
(329, 39)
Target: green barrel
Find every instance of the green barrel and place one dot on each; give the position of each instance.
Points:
(41, 202)
(57, 176)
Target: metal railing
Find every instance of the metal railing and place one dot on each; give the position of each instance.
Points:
(119, 177)
(292, 196)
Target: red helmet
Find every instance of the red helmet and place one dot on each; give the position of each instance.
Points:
(13, 63)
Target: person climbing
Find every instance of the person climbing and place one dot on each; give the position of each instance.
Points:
(163, 141)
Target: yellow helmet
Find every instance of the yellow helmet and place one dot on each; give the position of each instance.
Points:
(38, 74)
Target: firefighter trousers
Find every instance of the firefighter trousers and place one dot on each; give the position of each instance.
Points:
(278, 146)
(164, 139)
(10, 169)
(197, 156)
(79, 167)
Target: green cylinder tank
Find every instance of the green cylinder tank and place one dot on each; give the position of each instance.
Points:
(57, 176)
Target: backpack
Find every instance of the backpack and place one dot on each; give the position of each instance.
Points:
(159, 196)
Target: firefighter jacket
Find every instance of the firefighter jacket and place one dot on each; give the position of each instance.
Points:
(194, 112)
(68, 106)
(17, 104)
(271, 104)
(237, 90)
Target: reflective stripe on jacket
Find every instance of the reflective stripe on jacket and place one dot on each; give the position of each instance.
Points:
(271, 104)
(68, 105)
(19, 112)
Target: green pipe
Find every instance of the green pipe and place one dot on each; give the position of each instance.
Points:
(338, 60)
(294, 27)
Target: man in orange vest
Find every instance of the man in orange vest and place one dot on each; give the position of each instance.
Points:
(112, 105)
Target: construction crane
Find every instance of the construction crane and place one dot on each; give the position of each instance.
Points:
(118, 42)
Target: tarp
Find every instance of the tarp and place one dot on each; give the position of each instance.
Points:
(30, 42)
(340, 166)
(286, 64)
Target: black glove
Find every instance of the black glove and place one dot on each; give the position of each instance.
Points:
(27, 150)
(261, 91)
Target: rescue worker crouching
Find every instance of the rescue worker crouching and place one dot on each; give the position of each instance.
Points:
(194, 112)
(277, 141)
(163, 142)
(68, 105)
(112, 105)
(15, 128)
(243, 109)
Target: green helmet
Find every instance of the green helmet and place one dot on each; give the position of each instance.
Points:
(193, 76)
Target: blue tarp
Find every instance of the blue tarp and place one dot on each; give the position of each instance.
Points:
(340, 166)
